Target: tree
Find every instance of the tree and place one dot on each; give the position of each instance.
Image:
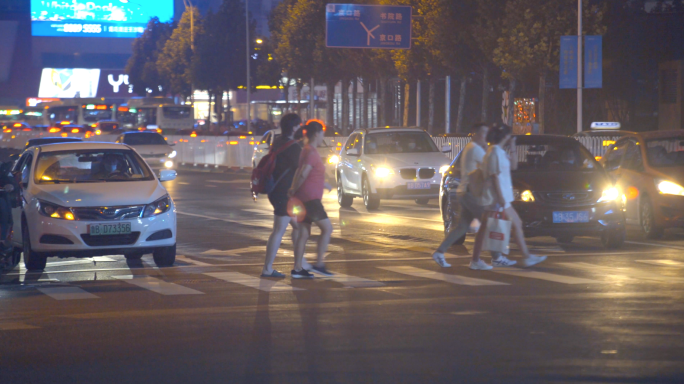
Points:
(142, 65)
(530, 41)
(175, 61)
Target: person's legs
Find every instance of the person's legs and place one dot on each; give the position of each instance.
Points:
(518, 234)
(468, 205)
(280, 224)
(300, 245)
(323, 240)
(479, 239)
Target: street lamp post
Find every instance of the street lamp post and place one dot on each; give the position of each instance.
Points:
(249, 105)
(188, 4)
(580, 84)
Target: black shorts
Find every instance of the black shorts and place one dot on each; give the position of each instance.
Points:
(279, 203)
(314, 211)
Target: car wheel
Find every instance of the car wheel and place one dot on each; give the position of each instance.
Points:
(33, 261)
(647, 220)
(613, 239)
(422, 201)
(164, 257)
(565, 239)
(343, 199)
(451, 218)
(371, 201)
(133, 255)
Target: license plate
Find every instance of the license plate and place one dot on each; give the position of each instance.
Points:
(418, 185)
(109, 229)
(571, 217)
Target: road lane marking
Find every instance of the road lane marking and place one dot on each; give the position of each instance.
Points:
(67, 293)
(545, 276)
(352, 281)
(663, 263)
(15, 326)
(188, 260)
(157, 285)
(656, 245)
(621, 273)
(267, 285)
(241, 181)
(449, 278)
(89, 260)
(183, 183)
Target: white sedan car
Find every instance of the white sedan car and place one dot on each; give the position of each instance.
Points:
(152, 147)
(326, 151)
(381, 163)
(92, 199)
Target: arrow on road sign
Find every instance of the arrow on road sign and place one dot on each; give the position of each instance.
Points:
(370, 34)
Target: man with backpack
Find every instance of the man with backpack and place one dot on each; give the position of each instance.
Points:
(286, 164)
(471, 205)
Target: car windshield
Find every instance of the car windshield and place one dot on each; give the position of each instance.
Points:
(398, 142)
(146, 138)
(90, 166)
(560, 156)
(178, 112)
(665, 152)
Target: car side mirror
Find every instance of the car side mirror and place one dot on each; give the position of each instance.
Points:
(167, 175)
(446, 148)
(353, 152)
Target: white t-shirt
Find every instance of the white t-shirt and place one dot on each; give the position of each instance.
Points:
(496, 164)
(472, 158)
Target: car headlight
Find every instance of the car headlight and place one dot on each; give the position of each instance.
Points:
(669, 188)
(172, 155)
(443, 169)
(158, 207)
(527, 196)
(609, 194)
(383, 172)
(168, 164)
(333, 159)
(55, 211)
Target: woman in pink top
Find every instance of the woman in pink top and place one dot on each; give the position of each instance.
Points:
(307, 186)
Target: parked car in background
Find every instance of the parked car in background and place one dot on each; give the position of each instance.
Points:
(106, 127)
(389, 163)
(560, 191)
(648, 170)
(152, 147)
(15, 127)
(88, 199)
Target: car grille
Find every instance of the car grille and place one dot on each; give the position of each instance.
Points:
(107, 240)
(567, 198)
(108, 213)
(408, 173)
(426, 173)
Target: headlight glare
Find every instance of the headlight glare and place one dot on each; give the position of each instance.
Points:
(669, 188)
(333, 159)
(443, 169)
(609, 194)
(527, 196)
(158, 207)
(172, 155)
(383, 172)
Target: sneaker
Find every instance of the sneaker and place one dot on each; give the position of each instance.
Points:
(303, 274)
(532, 260)
(321, 270)
(480, 266)
(306, 265)
(275, 273)
(438, 257)
(503, 261)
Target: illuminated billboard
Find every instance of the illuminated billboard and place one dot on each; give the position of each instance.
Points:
(96, 18)
(69, 82)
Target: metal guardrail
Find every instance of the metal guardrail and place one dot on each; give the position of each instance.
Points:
(226, 151)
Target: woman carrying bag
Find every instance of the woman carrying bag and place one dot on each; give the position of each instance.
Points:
(497, 168)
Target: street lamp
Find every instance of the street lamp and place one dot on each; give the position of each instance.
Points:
(259, 41)
(249, 102)
(188, 4)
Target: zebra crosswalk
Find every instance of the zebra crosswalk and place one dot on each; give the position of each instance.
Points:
(62, 288)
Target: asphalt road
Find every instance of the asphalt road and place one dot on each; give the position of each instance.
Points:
(390, 315)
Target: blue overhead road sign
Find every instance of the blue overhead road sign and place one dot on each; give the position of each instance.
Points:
(368, 26)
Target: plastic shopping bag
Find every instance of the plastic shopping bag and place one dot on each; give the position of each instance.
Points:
(497, 234)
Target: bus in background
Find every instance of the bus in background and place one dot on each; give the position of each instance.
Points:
(126, 116)
(11, 114)
(153, 113)
(81, 111)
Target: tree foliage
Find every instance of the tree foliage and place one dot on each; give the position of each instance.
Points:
(175, 61)
(142, 67)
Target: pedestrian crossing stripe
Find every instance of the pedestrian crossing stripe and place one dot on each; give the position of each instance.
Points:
(158, 285)
(449, 278)
(623, 272)
(545, 276)
(67, 293)
(663, 263)
(354, 281)
(266, 285)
